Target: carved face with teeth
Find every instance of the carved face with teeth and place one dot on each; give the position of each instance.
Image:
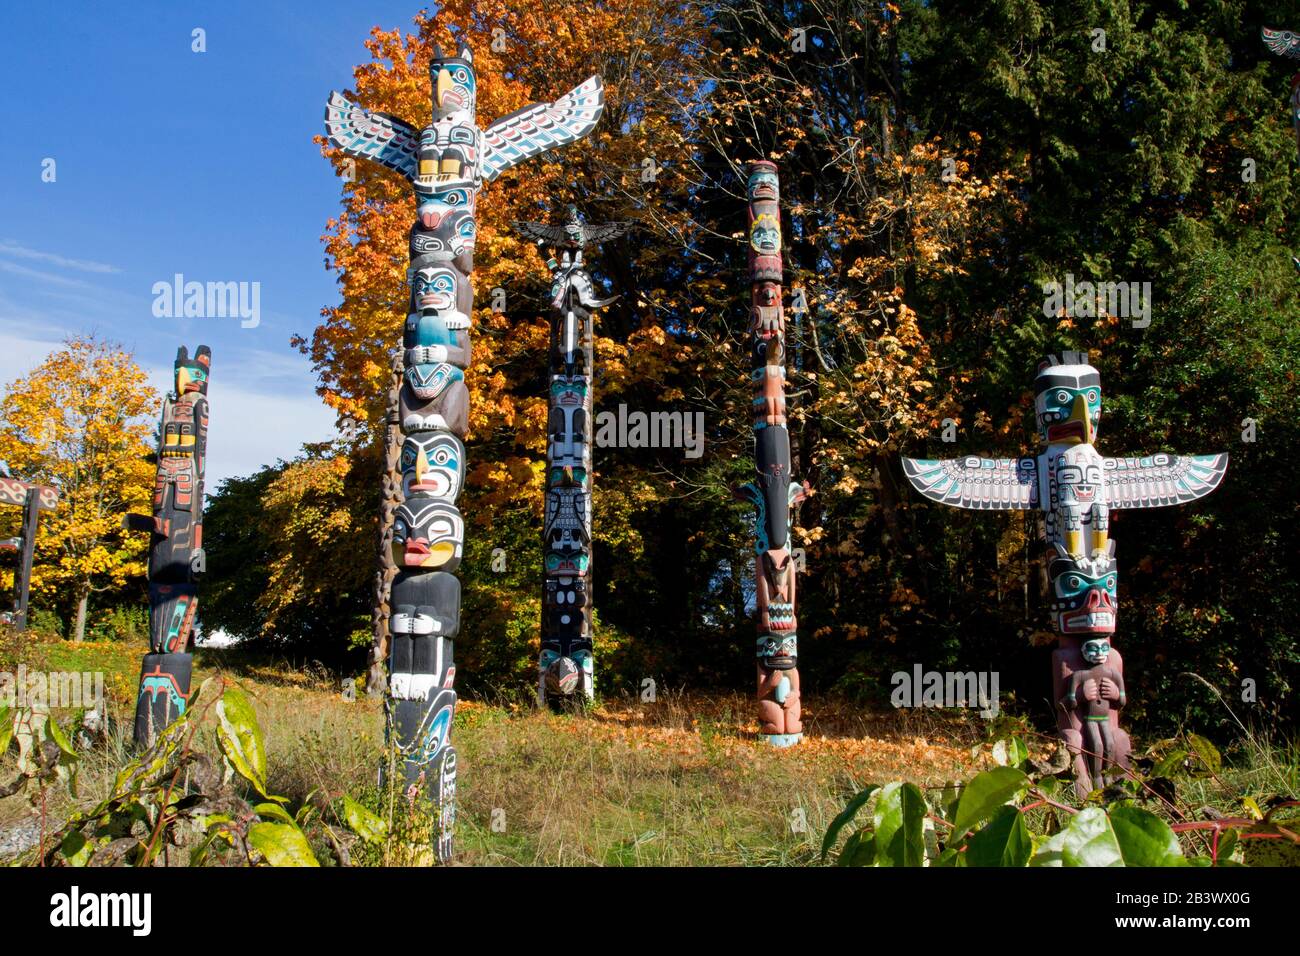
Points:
(1096, 651)
(428, 534)
(1084, 594)
(1079, 476)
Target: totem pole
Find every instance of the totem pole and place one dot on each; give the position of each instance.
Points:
(33, 499)
(1287, 44)
(772, 492)
(565, 664)
(176, 545)
(447, 162)
(1075, 488)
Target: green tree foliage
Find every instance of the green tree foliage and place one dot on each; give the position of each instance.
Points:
(940, 162)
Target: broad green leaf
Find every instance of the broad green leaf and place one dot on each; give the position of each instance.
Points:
(1169, 764)
(57, 735)
(1228, 840)
(281, 844)
(275, 812)
(371, 827)
(1144, 839)
(1089, 840)
(75, 849)
(850, 810)
(1048, 786)
(1010, 752)
(1004, 841)
(949, 857)
(7, 717)
(984, 795)
(859, 850)
(1206, 752)
(900, 825)
(241, 738)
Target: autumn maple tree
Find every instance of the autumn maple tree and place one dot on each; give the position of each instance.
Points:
(82, 421)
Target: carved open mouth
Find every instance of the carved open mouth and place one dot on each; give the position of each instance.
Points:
(1066, 430)
(1087, 622)
(435, 301)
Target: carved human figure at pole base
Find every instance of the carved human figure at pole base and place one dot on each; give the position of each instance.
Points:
(447, 162)
(1101, 687)
(1075, 488)
(176, 558)
(566, 664)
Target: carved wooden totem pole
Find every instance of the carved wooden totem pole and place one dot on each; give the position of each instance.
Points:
(566, 666)
(176, 545)
(1075, 488)
(33, 499)
(446, 162)
(772, 492)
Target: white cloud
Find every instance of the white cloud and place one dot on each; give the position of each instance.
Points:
(9, 247)
(253, 421)
(251, 427)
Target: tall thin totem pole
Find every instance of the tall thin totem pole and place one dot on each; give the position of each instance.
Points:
(566, 663)
(1075, 488)
(447, 163)
(33, 499)
(176, 545)
(772, 492)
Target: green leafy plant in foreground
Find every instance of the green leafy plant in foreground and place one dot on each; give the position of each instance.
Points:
(173, 795)
(1016, 815)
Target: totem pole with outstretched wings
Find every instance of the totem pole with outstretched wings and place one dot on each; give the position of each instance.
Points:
(1075, 487)
(447, 162)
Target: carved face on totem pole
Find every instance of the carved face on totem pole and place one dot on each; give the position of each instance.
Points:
(1096, 650)
(192, 373)
(1083, 599)
(433, 465)
(449, 147)
(1067, 400)
(428, 533)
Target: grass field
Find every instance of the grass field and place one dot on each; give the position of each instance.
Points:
(681, 781)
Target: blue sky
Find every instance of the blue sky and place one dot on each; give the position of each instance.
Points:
(170, 161)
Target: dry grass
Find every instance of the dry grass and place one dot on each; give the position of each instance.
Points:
(681, 781)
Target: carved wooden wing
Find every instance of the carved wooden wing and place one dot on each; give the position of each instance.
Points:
(535, 129)
(605, 231)
(978, 483)
(378, 137)
(539, 230)
(1159, 480)
(1282, 42)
